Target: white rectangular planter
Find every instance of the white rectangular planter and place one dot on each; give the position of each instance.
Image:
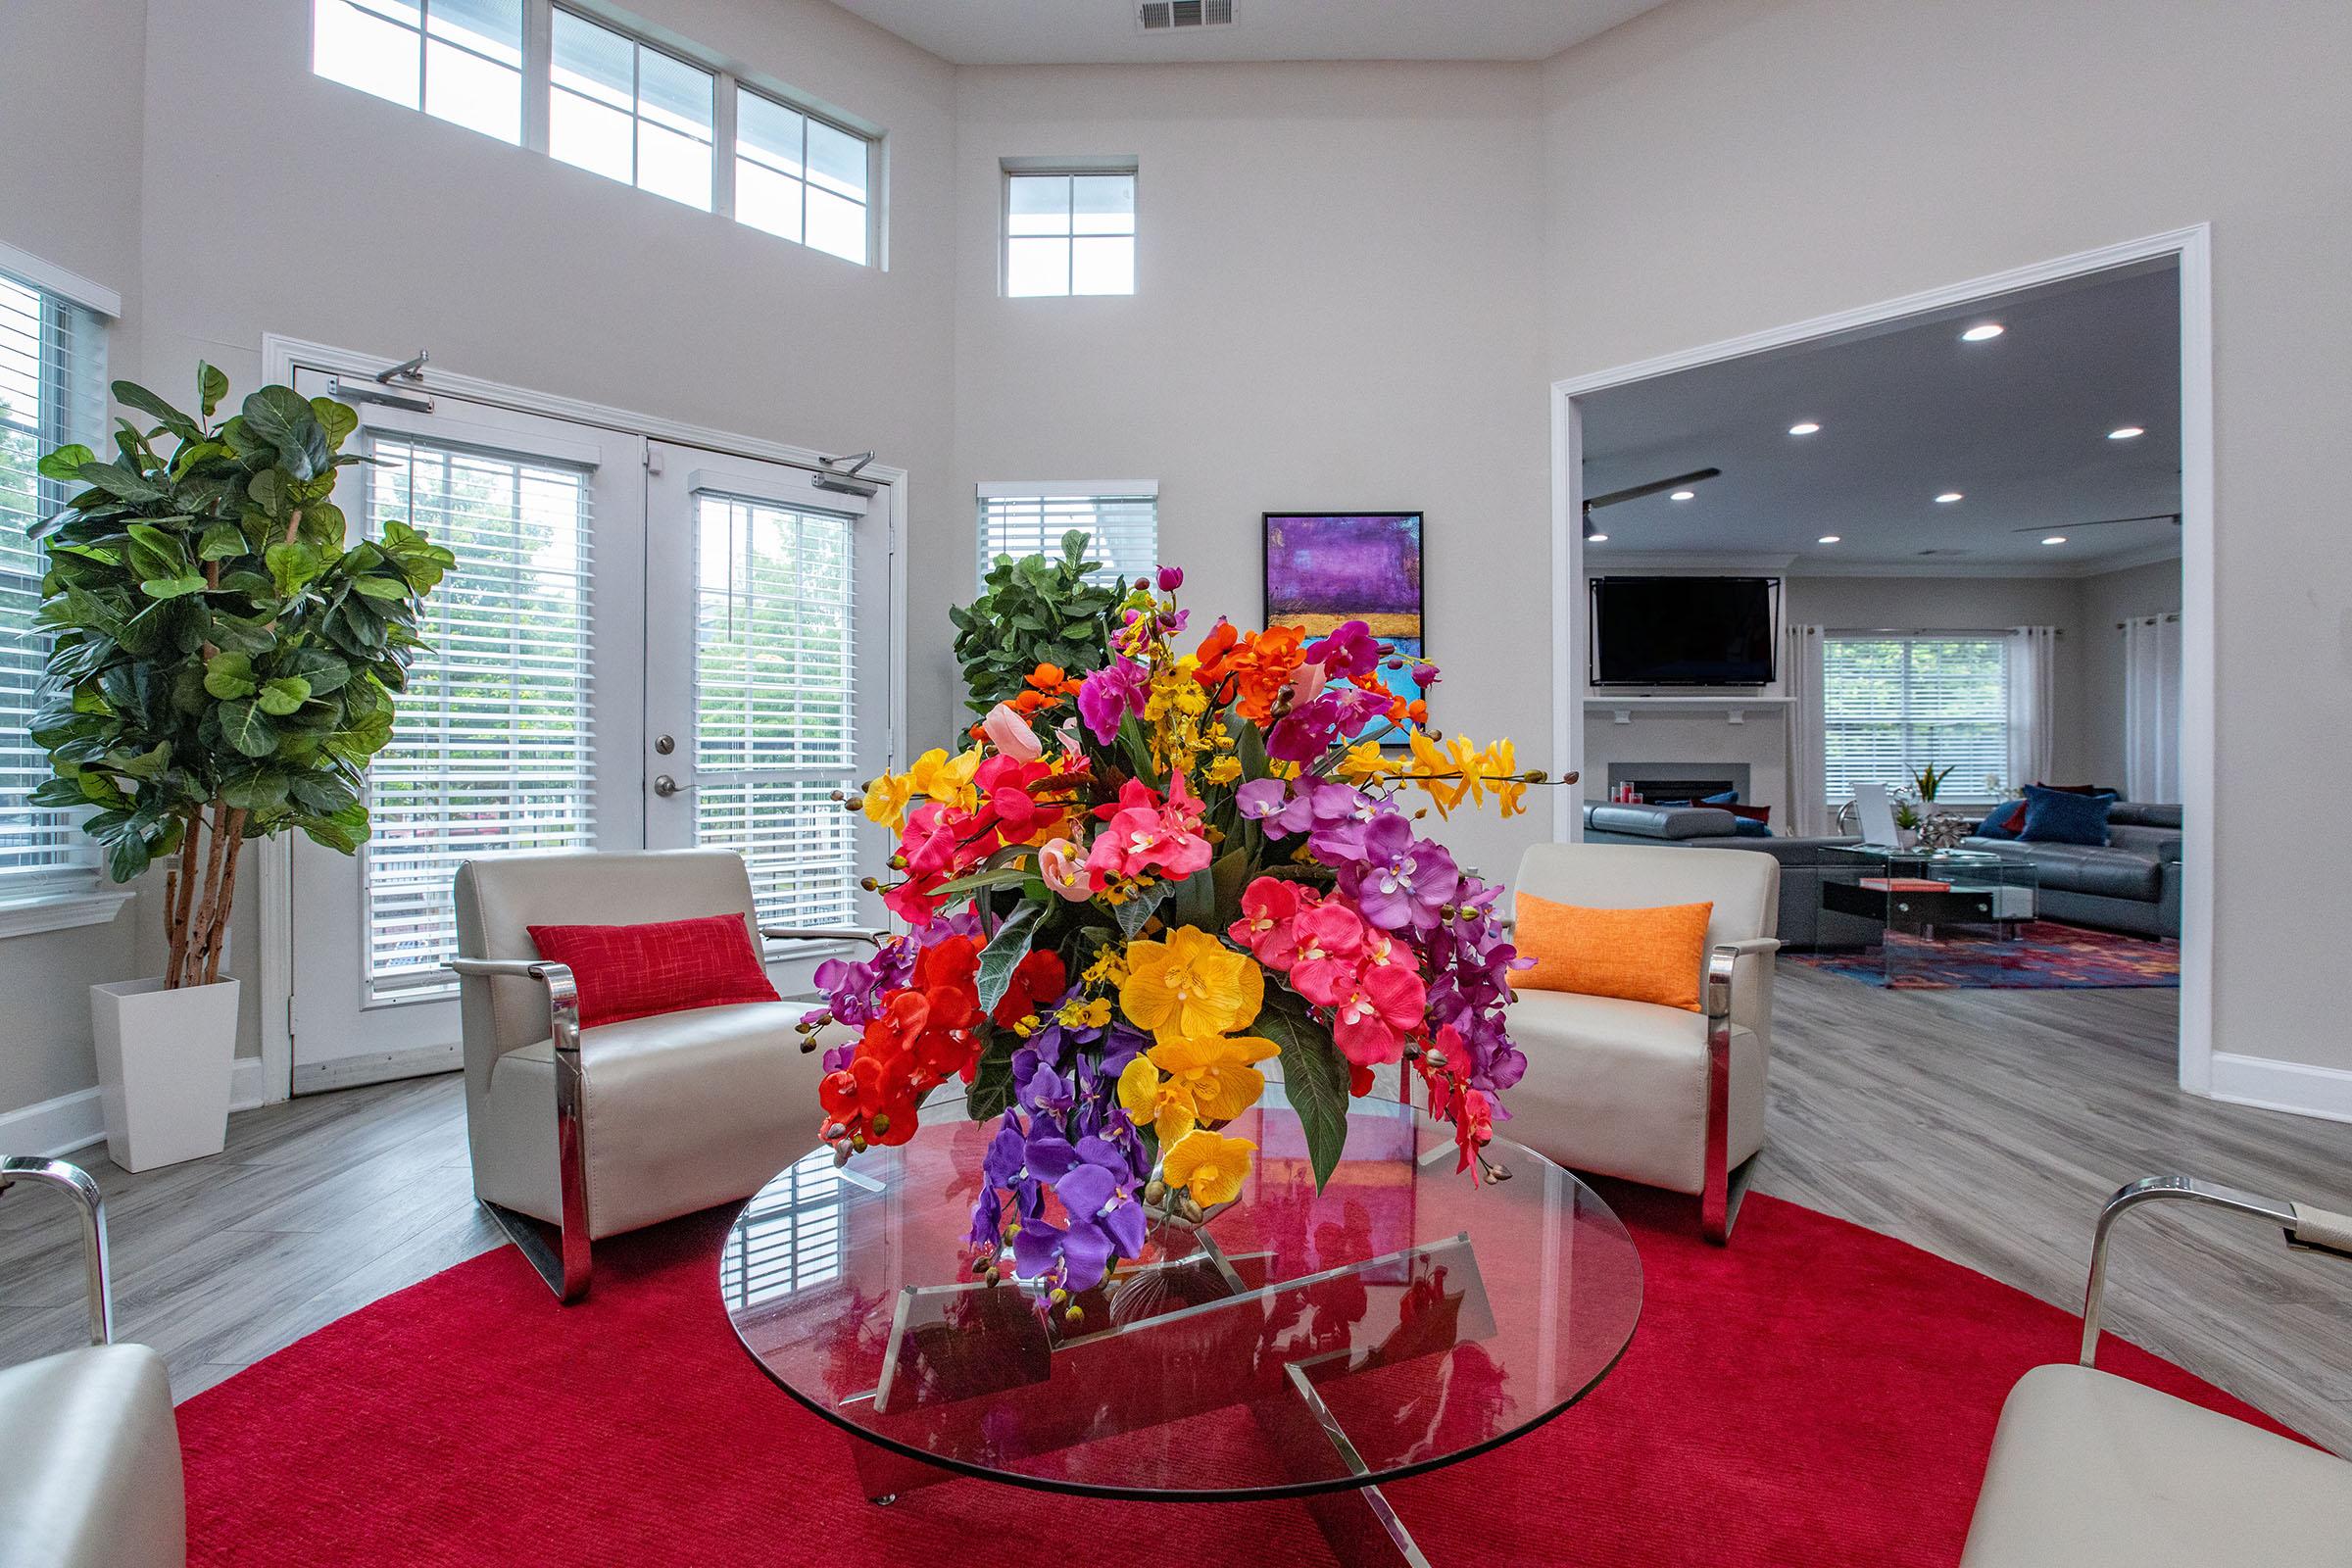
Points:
(164, 1062)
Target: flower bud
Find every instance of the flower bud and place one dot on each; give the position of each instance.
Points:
(1171, 578)
(880, 1124)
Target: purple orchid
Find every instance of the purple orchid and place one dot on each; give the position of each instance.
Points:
(1350, 649)
(1110, 694)
(1405, 881)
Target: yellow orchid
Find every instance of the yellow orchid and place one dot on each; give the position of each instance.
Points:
(1428, 765)
(1189, 986)
(1162, 1105)
(1500, 762)
(946, 779)
(1089, 1013)
(886, 800)
(1208, 1166)
(1216, 1072)
(1224, 770)
(1466, 762)
(1366, 764)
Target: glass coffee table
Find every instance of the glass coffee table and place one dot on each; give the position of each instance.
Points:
(1297, 1346)
(1925, 898)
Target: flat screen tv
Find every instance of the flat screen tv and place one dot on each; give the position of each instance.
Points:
(1685, 631)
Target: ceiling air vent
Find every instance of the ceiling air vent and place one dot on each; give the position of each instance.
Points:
(1168, 16)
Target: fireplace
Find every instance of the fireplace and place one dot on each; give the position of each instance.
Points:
(1681, 781)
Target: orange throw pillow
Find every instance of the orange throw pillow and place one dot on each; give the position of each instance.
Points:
(1637, 954)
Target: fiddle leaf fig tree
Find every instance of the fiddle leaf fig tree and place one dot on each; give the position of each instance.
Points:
(1038, 610)
(223, 664)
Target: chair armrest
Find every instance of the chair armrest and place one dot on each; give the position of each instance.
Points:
(77, 1184)
(562, 992)
(814, 933)
(1723, 961)
(2307, 1228)
(510, 968)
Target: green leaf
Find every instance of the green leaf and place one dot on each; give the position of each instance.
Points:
(264, 790)
(326, 673)
(282, 417)
(155, 552)
(65, 463)
(220, 541)
(132, 395)
(991, 1087)
(1228, 875)
(1137, 751)
(343, 832)
(178, 587)
(244, 727)
(1195, 902)
(121, 481)
(1314, 1078)
(1250, 748)
(211, 387)
(292, 564)
(229, 676)
(336, 419)
(283, 694)
(1137, 911)
(381, 587)
(1006, 948)
(127, 857)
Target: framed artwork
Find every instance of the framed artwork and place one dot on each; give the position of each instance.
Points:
(1324, 568)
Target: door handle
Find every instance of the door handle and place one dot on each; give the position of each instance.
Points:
(664, 786)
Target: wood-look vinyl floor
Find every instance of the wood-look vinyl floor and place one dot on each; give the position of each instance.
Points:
(1985, 1126)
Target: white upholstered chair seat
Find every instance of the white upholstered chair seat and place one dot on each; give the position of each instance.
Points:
(2090, 1470)
(1623, 1085)
(683, 1110)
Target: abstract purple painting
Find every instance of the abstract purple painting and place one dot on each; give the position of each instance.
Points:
(1326, 568)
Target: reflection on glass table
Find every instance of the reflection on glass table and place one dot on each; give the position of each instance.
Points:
(1923, 901)
(1298, 1345)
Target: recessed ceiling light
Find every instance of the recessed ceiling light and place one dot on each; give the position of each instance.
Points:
(1826, 539)
(1803, 428)
(1947, 498)
(1596, 538)
(1683, 495)
(1982, 332)
(2056, 539)
(2126, 432)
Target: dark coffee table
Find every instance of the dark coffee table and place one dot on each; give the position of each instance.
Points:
(1299, 1346)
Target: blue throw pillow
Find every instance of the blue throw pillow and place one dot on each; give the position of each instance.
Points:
(2053, 816)
(2002, 822)
(1727, 798)
(1747, 828)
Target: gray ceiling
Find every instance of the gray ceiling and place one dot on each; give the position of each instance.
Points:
(2018, 425)
(1024, 33)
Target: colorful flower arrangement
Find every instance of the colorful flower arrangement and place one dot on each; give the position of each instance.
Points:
(1145, 879)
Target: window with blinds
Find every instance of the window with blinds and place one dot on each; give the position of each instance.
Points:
(1894, 705)
(490, 752)
(52, 391)
(791, 1240)
(1124, 529)
(774, 695)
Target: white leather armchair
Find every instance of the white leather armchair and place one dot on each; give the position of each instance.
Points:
(2089, 1470)
(603, 1130)
(1652, 1094)
(94, 1475)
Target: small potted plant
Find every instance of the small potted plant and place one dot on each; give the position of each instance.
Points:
(221, 667)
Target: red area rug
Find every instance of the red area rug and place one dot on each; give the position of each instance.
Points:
(2046, 957)
(1814, 1393)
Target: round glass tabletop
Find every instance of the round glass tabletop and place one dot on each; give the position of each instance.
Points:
(1297, 1344)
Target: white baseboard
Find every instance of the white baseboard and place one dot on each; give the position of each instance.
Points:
(58, 1127)
(376, 1067)
(54, 1127)
(2289, 1086)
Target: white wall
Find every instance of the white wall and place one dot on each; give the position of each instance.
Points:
(2107, 599)
(1336, 283)
(1727, 166)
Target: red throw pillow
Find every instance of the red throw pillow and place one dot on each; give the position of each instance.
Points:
(1753, 814)
(634, 971)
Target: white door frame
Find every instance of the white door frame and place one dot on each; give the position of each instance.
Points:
(2191, 249)
(274, 861)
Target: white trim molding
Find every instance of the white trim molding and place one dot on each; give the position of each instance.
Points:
(56, 1128)
(27, 268)
(2190, 250)
(2288, 1086)
(60, 911)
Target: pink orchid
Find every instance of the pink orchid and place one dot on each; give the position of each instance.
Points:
(1063, 867)
(1145, 833)
(1370, 1022)
(1268, 906)
(1330, 942)
(1306, 685)
(1010, 734)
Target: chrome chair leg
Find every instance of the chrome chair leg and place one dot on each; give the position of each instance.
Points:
(77, 1184)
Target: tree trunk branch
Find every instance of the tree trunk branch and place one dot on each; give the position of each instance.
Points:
(228, 893)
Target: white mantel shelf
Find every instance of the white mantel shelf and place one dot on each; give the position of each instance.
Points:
(1735, 706)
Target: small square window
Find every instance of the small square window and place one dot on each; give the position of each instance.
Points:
(800, 177)
(1069, 233)
(629, 113)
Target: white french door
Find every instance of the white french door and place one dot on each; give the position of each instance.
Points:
(520, 728)
(643, 644)
(768, 682)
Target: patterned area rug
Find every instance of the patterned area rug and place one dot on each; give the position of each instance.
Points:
(2045, 957)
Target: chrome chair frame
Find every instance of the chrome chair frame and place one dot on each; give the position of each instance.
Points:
(77, 1184)
(2307, 1228)
(565, 1264)
(1720, 1198)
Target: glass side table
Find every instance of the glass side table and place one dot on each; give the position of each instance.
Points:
(1927, 902)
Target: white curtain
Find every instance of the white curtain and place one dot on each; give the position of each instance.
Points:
(1808, 744)
(2152, 708)
(2032, 705)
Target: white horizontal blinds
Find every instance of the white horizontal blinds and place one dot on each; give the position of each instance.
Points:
(799, 177)
(1124, 530)
(52, 391)
(1894, 705)
(775, 702)
(459, 60)
(630, 112)
(1070, 234)
(791, 1237)
(491, 749)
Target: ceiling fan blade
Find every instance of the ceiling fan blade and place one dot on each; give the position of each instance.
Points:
(1636, 492)
(2173, 517)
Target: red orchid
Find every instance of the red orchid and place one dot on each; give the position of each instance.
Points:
(1038, 979)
